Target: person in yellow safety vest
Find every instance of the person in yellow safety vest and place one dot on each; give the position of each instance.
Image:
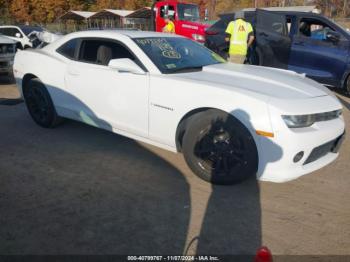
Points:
(241, 37)
(169, 25)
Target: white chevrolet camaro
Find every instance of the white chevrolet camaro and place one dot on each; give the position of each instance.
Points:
(230, 121)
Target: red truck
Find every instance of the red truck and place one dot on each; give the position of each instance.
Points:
(186, 18)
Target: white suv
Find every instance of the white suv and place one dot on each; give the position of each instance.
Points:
(7, 54)
(21, 34)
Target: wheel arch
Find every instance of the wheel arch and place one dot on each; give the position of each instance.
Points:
(183, 123)
(26, 78)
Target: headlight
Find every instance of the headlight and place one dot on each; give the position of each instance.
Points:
(199, 38)
(297, 121)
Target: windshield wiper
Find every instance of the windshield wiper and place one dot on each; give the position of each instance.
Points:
(186, 69)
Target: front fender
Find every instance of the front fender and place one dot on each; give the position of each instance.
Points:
(171, 103)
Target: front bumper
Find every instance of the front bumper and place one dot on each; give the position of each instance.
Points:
(280, 167)
(319, 143)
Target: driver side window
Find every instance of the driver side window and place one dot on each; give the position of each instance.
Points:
(171, 11)
(313, 29)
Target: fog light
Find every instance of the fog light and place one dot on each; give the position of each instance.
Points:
(298, 156)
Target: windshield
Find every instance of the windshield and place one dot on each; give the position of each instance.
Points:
(188, 12)
(175, 54)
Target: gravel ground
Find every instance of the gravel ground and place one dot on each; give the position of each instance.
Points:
(80, 190)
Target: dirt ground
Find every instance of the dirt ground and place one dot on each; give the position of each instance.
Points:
(80, 190)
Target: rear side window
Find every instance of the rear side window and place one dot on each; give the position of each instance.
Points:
(68, 48)
(102, 51)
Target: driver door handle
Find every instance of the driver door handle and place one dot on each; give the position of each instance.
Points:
(299, 43)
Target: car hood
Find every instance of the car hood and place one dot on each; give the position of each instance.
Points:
(271, 82)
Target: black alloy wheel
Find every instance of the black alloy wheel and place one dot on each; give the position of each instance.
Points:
(39, 104)
(220, 149)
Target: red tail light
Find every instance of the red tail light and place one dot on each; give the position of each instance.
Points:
(263, 255)
(211, 32)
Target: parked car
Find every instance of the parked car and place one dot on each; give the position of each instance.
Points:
(7, 54)
(23, 34)
(303, 42)
(230, 121)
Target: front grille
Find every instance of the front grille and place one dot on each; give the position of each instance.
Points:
(323, 150)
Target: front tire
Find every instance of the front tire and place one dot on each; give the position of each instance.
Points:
(39, 104)
(347, 85)
(219, 148)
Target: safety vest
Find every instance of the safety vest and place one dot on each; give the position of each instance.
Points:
(239, 31)
(169, 28)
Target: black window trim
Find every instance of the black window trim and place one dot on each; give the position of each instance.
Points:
(74, 58)
(327, 22)
(79, 46)
(137, 60)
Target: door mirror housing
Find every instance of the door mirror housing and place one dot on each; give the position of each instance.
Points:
(18, 35)
(126, 65)
(333, 36)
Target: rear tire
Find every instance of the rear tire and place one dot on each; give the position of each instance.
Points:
(40, 105)
(219, 148)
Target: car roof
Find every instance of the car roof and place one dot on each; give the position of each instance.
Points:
(2, 26)
(111, 33)
(279, 12)
(30, 27)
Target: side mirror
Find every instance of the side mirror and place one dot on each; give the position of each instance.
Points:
(126, 65)
(333, 36)
(18, 35)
